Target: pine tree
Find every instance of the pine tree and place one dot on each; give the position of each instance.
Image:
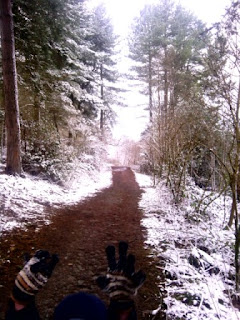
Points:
(103, 41)
(64, 60)
(144, 45)
(168, 43)
(38, 30)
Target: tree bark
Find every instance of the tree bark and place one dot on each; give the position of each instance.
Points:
(13, 165)
(102, 96)
(235, 169)
(150, 85)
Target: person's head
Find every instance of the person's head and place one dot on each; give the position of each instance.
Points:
(80, 306)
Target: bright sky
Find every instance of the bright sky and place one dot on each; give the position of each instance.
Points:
(123, 11)
(131, 122)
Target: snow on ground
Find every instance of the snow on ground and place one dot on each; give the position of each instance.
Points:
(198, 251)
(25, 200)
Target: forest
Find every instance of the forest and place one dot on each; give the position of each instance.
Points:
(58, 105)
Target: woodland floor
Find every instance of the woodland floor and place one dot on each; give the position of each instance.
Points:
(79, 234)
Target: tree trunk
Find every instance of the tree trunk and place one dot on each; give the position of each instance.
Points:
(13, 165)
(102, 96)
(213, 173)
(166, 85)
(150, 85)
(234, 202)
(235, 174)
(237, 246)
(101, 120)
(2, 139)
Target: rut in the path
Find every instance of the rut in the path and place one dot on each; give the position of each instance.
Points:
(79, 234)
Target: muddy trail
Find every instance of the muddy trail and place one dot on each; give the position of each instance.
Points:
(79, 234)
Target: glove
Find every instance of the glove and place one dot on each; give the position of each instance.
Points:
(34, 275)
(121, 281)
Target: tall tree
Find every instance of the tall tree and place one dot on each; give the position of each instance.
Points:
(38, 30)
(103, 44)
(168, 43)
(143, 44)
(10, 89)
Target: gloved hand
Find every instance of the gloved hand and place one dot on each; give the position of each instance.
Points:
(121, 281)
(34, 275)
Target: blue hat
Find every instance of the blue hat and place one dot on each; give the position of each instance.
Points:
(80, 306)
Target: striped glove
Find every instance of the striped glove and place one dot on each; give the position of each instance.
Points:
(121, 281)
(33, 276)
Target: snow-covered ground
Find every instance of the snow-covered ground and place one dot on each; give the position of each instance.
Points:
(197, 250)
(28, 199)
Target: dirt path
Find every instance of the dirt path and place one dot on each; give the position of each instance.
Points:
(79, 234)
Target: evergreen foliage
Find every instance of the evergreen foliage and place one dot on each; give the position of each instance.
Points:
(60, 46)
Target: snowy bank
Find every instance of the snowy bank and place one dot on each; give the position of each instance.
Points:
(197, 251)
(26, 200)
